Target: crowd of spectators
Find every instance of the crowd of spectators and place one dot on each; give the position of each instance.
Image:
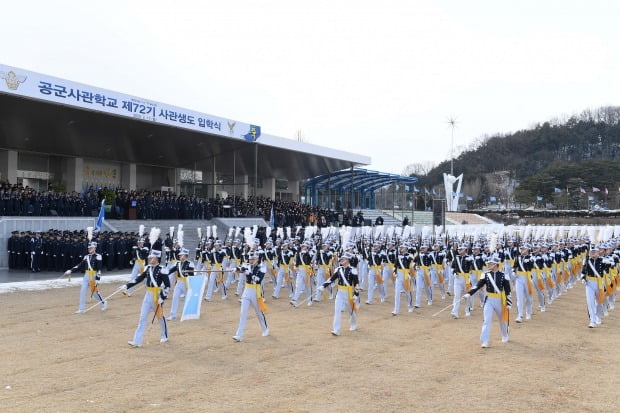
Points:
(16, 200)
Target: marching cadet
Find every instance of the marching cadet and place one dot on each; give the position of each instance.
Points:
(217, 271)
(449, 274)
(436, 269)
(364, 249)
(538, 276)
(183, 269)
(303, 281)
(269, 258)
(548, 260)
(346, 276)
(461, 267)
(388, 267)
(91, 266)
(138, 259)
(376, 259)
(252, 296)
(614, 257)
(284, 277)
(245, 253)
(157, 287)
(497, 300)
(324, 262)
(592, 278)
(608, 282)
(404, 269)
(511, 251)
(523, 283)
(478, 264)
(423, 279)
(234, 260)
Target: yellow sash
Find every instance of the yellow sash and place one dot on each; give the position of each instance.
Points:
(155, 291)
(259, 296)
(439, 269)
(91, 280)
(349, 290)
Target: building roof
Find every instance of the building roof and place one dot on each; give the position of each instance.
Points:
(33, 121)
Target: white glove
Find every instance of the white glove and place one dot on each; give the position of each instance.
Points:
(583, 281)
(160, 301)
(255, 278)
(67, 272)
(466, 295)
(123, 287)
(321, 288)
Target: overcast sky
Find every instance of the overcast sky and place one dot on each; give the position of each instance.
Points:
(375, 78)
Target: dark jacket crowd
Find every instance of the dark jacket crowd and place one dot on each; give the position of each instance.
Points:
(16, 200)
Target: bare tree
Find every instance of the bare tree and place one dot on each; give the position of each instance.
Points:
(419, 169)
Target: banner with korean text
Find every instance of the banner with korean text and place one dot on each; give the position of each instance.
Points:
(34, 85)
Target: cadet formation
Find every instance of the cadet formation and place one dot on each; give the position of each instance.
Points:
(395, 270)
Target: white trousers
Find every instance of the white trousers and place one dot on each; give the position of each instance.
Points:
(148, 306)
(248, 300)
(524, 299)
(342, 303)
(373, 284)
(398, 289)
(492, 305)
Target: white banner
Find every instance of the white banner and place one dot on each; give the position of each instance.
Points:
(21, 82)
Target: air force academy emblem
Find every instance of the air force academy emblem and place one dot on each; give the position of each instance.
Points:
(12, 80)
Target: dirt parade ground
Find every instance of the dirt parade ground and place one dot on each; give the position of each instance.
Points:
(53, 360)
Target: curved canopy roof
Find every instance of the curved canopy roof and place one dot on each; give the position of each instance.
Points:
(358, 179)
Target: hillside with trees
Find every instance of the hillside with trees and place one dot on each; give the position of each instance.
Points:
(557, 161)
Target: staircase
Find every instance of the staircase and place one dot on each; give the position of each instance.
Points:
(459, 218)
(372, 214)
(190, 234)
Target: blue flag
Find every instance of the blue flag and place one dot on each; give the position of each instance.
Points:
(415, 189)
(426, 191)
(406, 187)
(101, 217)
(193, 298)
(272, 219)
(590, 198)
(539, 198)
(557, 190)
(493, 199)
(469, 198)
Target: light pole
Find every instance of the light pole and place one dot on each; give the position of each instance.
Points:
(452, 123)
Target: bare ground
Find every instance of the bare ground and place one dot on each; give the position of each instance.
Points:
(55, 361)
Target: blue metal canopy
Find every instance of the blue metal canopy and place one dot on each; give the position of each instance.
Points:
(355, 180)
